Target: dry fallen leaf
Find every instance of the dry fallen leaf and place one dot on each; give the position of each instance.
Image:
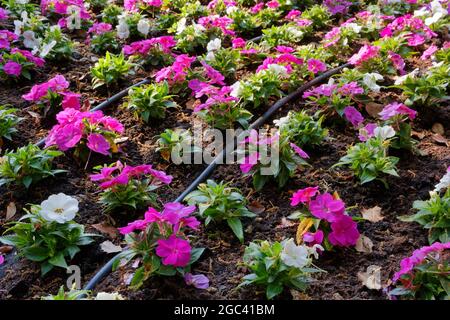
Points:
(297, 295)
(419, 135)
(10, 210)
(438, 128)
(110, 247)
(285, 223)
(256, 207)
(371, 278)
(303, 227)
(373, 109)
(440, 139)
(364, 244)
(106, 228)
(372, 214)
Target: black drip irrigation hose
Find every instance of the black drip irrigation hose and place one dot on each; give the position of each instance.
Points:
(106, 103)
(107, 268)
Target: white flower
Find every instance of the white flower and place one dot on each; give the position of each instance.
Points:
(73, 21)
(315, 250)
(236, 89)
(109, 296)
(354, 27)
(143, 26)
(59, 207)
(198, 29)
(401, 79)
(213, 45)
(444, 183)
(370, 80)
(123, 31)
(232, 9)
(18, 27)
(282, 121)
(384, 133)
(278, 70)
(293, 255)
(210, 56)
(22, 1)
(295, 32)
(29, 40)
(181, 25)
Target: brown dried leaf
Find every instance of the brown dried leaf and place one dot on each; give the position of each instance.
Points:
(371, 278)
(419, 135)
(373, 109)
(438, 128)
(372, 214)
(364, 244)
(6, 249)
(285, 223)
(106, 228)
(440, 139)
(10, 210)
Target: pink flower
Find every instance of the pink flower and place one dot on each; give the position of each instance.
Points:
(344, 232)
(367, 132)
(249, 162)
(71, 100)
(284, 49)
(397, 61)
(313, 238)
(394, 109)
(132, 226)
(12, 68)
(112, 124)
(2, 259)
(429, 52)
(415, 40)
(238, 43)
(161, 176)
(326, 207)
(65, 138)
(199, 281)
(174, 251)
(293, 14)
(257, 8)
(367, 52)
(315, 66)
(351, 88)
(100, 28)
(304, 195)
(353, 116)
(3, 16)
(98, 143)
(337, 6)
(299, 151)
(273, 4)
(215, 76)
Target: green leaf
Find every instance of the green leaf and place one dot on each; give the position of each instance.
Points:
(195, 254)
(273, 289)
(58, 261)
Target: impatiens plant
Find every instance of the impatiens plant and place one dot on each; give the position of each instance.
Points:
(434, 214)
(370, 159)
(57, 46)
(27, 165)
(110, 69)
(218, 202)
(325, 221)
(271, 157)
(278, 265)
(18, 63)
(303, 129)
(176, 144)
(126, 187)
(52, 94)
(424, 275)
(154, 51)
(85, 131)
(177, 74)
(396, 114)
(47, 233)
(224, 60)
(159, 244)
(150, 101)
(8, 122)
(102, 38)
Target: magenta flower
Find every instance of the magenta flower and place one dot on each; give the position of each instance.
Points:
(273, 4)
(415, 40)
(98, 143)
(315, 66)
(367, 132)
(65, 138)
(344, 232)
(397, 61)
(353, 116)
(132, 226)
(313, 238)
(299, 151)
(12, 68)
(100, 28)
(367, 52)
(326, 207)
(2, 259)
(249, 162)
(174, 251)
(238, 43)
(429, 52)
(199, 281)
(351, 88)
(3, 16)
(304, 195)
(394, 109)
(293, 14)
